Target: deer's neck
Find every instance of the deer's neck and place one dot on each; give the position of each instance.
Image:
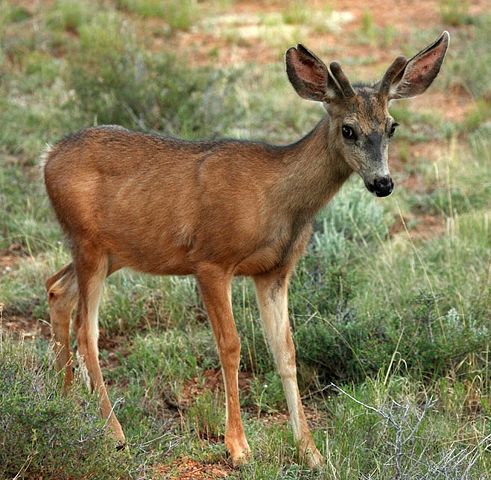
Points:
(314, 172)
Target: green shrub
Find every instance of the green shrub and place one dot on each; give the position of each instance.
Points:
(267, 394)
(295, 13)
(206, 416)
(180, 14)
(27, 219)
(134, 302)
(108, 72)
(459, 179)
(44, 434)
(16, 14)
(117, 82)
(455, 12)
(69, 15)
(352, 226)
(394, 427)
(355, 305)
(172, 354)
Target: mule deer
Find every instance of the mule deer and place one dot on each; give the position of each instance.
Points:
(217, 209)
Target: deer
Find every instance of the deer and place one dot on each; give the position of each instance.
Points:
(217, 210)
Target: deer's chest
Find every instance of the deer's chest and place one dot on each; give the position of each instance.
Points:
(280, 251)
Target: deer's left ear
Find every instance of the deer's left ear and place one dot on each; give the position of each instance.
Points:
(420, 71)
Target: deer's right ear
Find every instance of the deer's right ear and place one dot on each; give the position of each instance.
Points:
(309, 75)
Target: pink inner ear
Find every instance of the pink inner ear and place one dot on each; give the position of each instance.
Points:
(309, 71)
(423, 66)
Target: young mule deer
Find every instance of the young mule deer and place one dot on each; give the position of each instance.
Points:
(217, 209)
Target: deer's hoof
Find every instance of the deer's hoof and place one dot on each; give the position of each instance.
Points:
(239, 450)
(242, 458)
(311, 456)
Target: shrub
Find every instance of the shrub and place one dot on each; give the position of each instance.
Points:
(117, 82)
(108, 72)
(69, 15)
(44, 434)
(455, 12)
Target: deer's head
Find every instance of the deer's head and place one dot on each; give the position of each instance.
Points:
(360, 122)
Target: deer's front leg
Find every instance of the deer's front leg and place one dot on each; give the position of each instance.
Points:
(272, 296)
(215, 286)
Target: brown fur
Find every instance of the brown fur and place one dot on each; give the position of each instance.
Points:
(211, 209)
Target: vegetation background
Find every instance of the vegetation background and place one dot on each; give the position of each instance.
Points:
(390, 307)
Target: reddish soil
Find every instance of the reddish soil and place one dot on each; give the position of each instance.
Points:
(207, 46)
(419, 227)
(187, 469)
(25, 327)
(211, 380)
(453, 105)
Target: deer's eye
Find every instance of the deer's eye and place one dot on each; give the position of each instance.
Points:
(393, 129)
(348, 132)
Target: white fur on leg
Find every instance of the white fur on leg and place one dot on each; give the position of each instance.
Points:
(274, 314)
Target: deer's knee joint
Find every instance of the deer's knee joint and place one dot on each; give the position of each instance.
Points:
(232, 348)
(230, 351)
(286, 363)
(287, 371)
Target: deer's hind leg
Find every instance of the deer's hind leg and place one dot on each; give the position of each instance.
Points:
(62, 298)
(92, 267)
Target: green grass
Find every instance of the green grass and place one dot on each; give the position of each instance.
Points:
(400, 325)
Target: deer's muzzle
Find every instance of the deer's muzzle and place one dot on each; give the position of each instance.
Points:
(382, 187)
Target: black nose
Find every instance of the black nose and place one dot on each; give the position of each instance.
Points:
(382, 187)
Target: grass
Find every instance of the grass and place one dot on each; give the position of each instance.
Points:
(392, 331)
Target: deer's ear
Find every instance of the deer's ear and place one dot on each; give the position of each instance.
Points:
(309, 75)
(420, 71)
